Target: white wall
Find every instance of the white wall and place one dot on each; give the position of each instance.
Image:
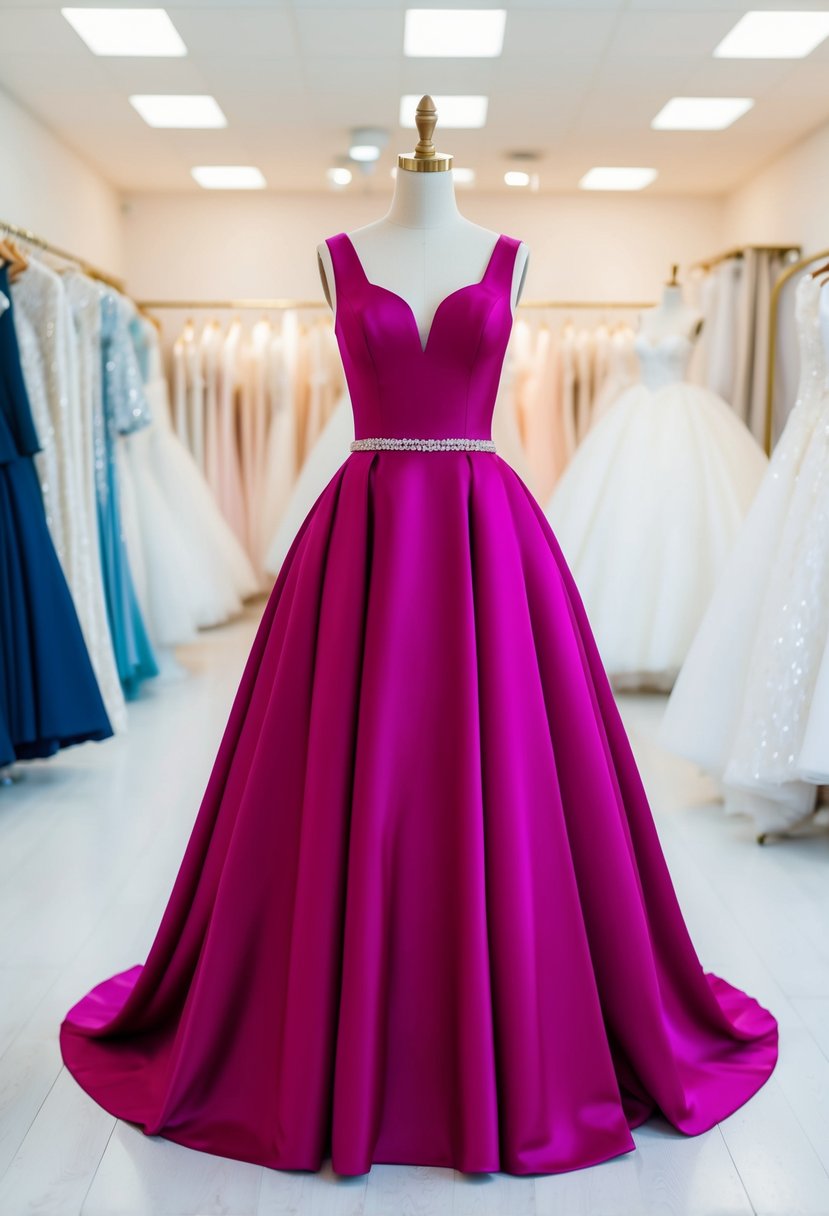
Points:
(215, 245)
(44, 186)
(786, 201)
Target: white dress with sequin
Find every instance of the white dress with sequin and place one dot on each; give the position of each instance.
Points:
(647, 510)
(751, 705)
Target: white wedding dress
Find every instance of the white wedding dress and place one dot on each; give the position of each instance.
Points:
(751, 705)
(648, 509)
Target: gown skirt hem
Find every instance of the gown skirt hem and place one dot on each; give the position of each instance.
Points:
(403, 933)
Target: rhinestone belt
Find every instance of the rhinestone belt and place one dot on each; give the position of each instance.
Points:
(423, 445)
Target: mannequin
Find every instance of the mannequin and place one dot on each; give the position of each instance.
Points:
(423, 249)
(672, 315)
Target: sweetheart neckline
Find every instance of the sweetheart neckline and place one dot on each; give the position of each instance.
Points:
(396, 295)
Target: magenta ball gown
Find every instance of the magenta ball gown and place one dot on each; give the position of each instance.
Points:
(423, 915)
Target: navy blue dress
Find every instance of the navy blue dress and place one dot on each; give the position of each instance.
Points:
(49, 697)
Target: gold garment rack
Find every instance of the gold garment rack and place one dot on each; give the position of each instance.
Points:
(266, 304)
(739, 251)
(40, 242)
(822, 255)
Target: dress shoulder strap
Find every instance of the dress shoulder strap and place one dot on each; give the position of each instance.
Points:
(502, 266)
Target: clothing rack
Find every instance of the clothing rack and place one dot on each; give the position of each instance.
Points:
(821, 255)
(739, 251)
(266, 305)
(40, 242)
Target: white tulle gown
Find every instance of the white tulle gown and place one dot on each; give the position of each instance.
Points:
(648, 509)
(751, 705)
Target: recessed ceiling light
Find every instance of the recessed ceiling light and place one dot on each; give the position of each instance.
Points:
(178, 110)
(516, 177)
(617, 178)
(456, 32)
(364, 152)
(463, 177)
(774, 36)
(229, 177)
(126, 31)
(339, 175)
(701, 113)
(454, 110)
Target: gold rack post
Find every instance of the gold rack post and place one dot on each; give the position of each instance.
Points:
(739, 251)
(285, 302)
(40, 242)
(788, 273)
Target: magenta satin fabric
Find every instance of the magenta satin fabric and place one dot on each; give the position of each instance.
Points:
(423, 915)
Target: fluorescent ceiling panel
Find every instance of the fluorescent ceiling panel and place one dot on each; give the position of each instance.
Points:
(191, 110)
(229, 177)
(516, 177)
(454, 32)
(778, 35)
(463, 177)
(126, 31)
(617, 178)
(701, 113)
(454, 110)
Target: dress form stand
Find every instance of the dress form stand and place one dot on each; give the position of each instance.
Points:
(672, 315)
(423, 249)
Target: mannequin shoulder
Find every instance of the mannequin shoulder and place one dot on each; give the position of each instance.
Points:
(325, 266)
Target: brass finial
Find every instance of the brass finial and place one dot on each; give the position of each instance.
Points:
(673, 281)
(425, 159)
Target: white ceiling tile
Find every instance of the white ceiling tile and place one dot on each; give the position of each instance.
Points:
(240, 31)
(353, 31)
(674, 34)
(556, 35)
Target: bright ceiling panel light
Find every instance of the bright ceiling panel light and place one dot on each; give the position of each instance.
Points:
(126, 31)
(617, 178)
(701, 113)
(516, 177)
(229, 177)
(463, 177)
(339, 175)
(454, 110)
(454, 32)
(364, 152)
(178, 110)
(779, 35)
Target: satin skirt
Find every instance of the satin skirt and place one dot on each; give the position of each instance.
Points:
(423, 916)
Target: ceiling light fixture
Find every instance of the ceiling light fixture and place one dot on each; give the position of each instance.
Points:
(463, 177)
(612, 177)
(191, 110)
(454, 32)
(229, 177)
(454, 110)
(516, 177)
(774, 35)
(339, 176)
(126, 31)
(364, 152)
(701, 113)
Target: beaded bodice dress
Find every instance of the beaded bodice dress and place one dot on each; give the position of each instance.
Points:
(423, 915)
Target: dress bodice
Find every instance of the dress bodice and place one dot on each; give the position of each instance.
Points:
(398, 387)
(664, 361)
(814, 359)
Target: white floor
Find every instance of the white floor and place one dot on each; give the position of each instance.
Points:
(89, 845)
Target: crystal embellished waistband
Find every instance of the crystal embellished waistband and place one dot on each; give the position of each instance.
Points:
(423, 445)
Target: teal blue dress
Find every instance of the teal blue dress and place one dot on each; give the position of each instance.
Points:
(122, 409)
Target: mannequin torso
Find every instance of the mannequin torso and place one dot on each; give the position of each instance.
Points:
(423, 249)
(671, 316)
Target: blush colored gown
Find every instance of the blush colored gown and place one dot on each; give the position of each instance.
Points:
(424, 915)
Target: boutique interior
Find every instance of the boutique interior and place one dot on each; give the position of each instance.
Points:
(174, 408)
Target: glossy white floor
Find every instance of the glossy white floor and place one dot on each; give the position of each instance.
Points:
(89, 846)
